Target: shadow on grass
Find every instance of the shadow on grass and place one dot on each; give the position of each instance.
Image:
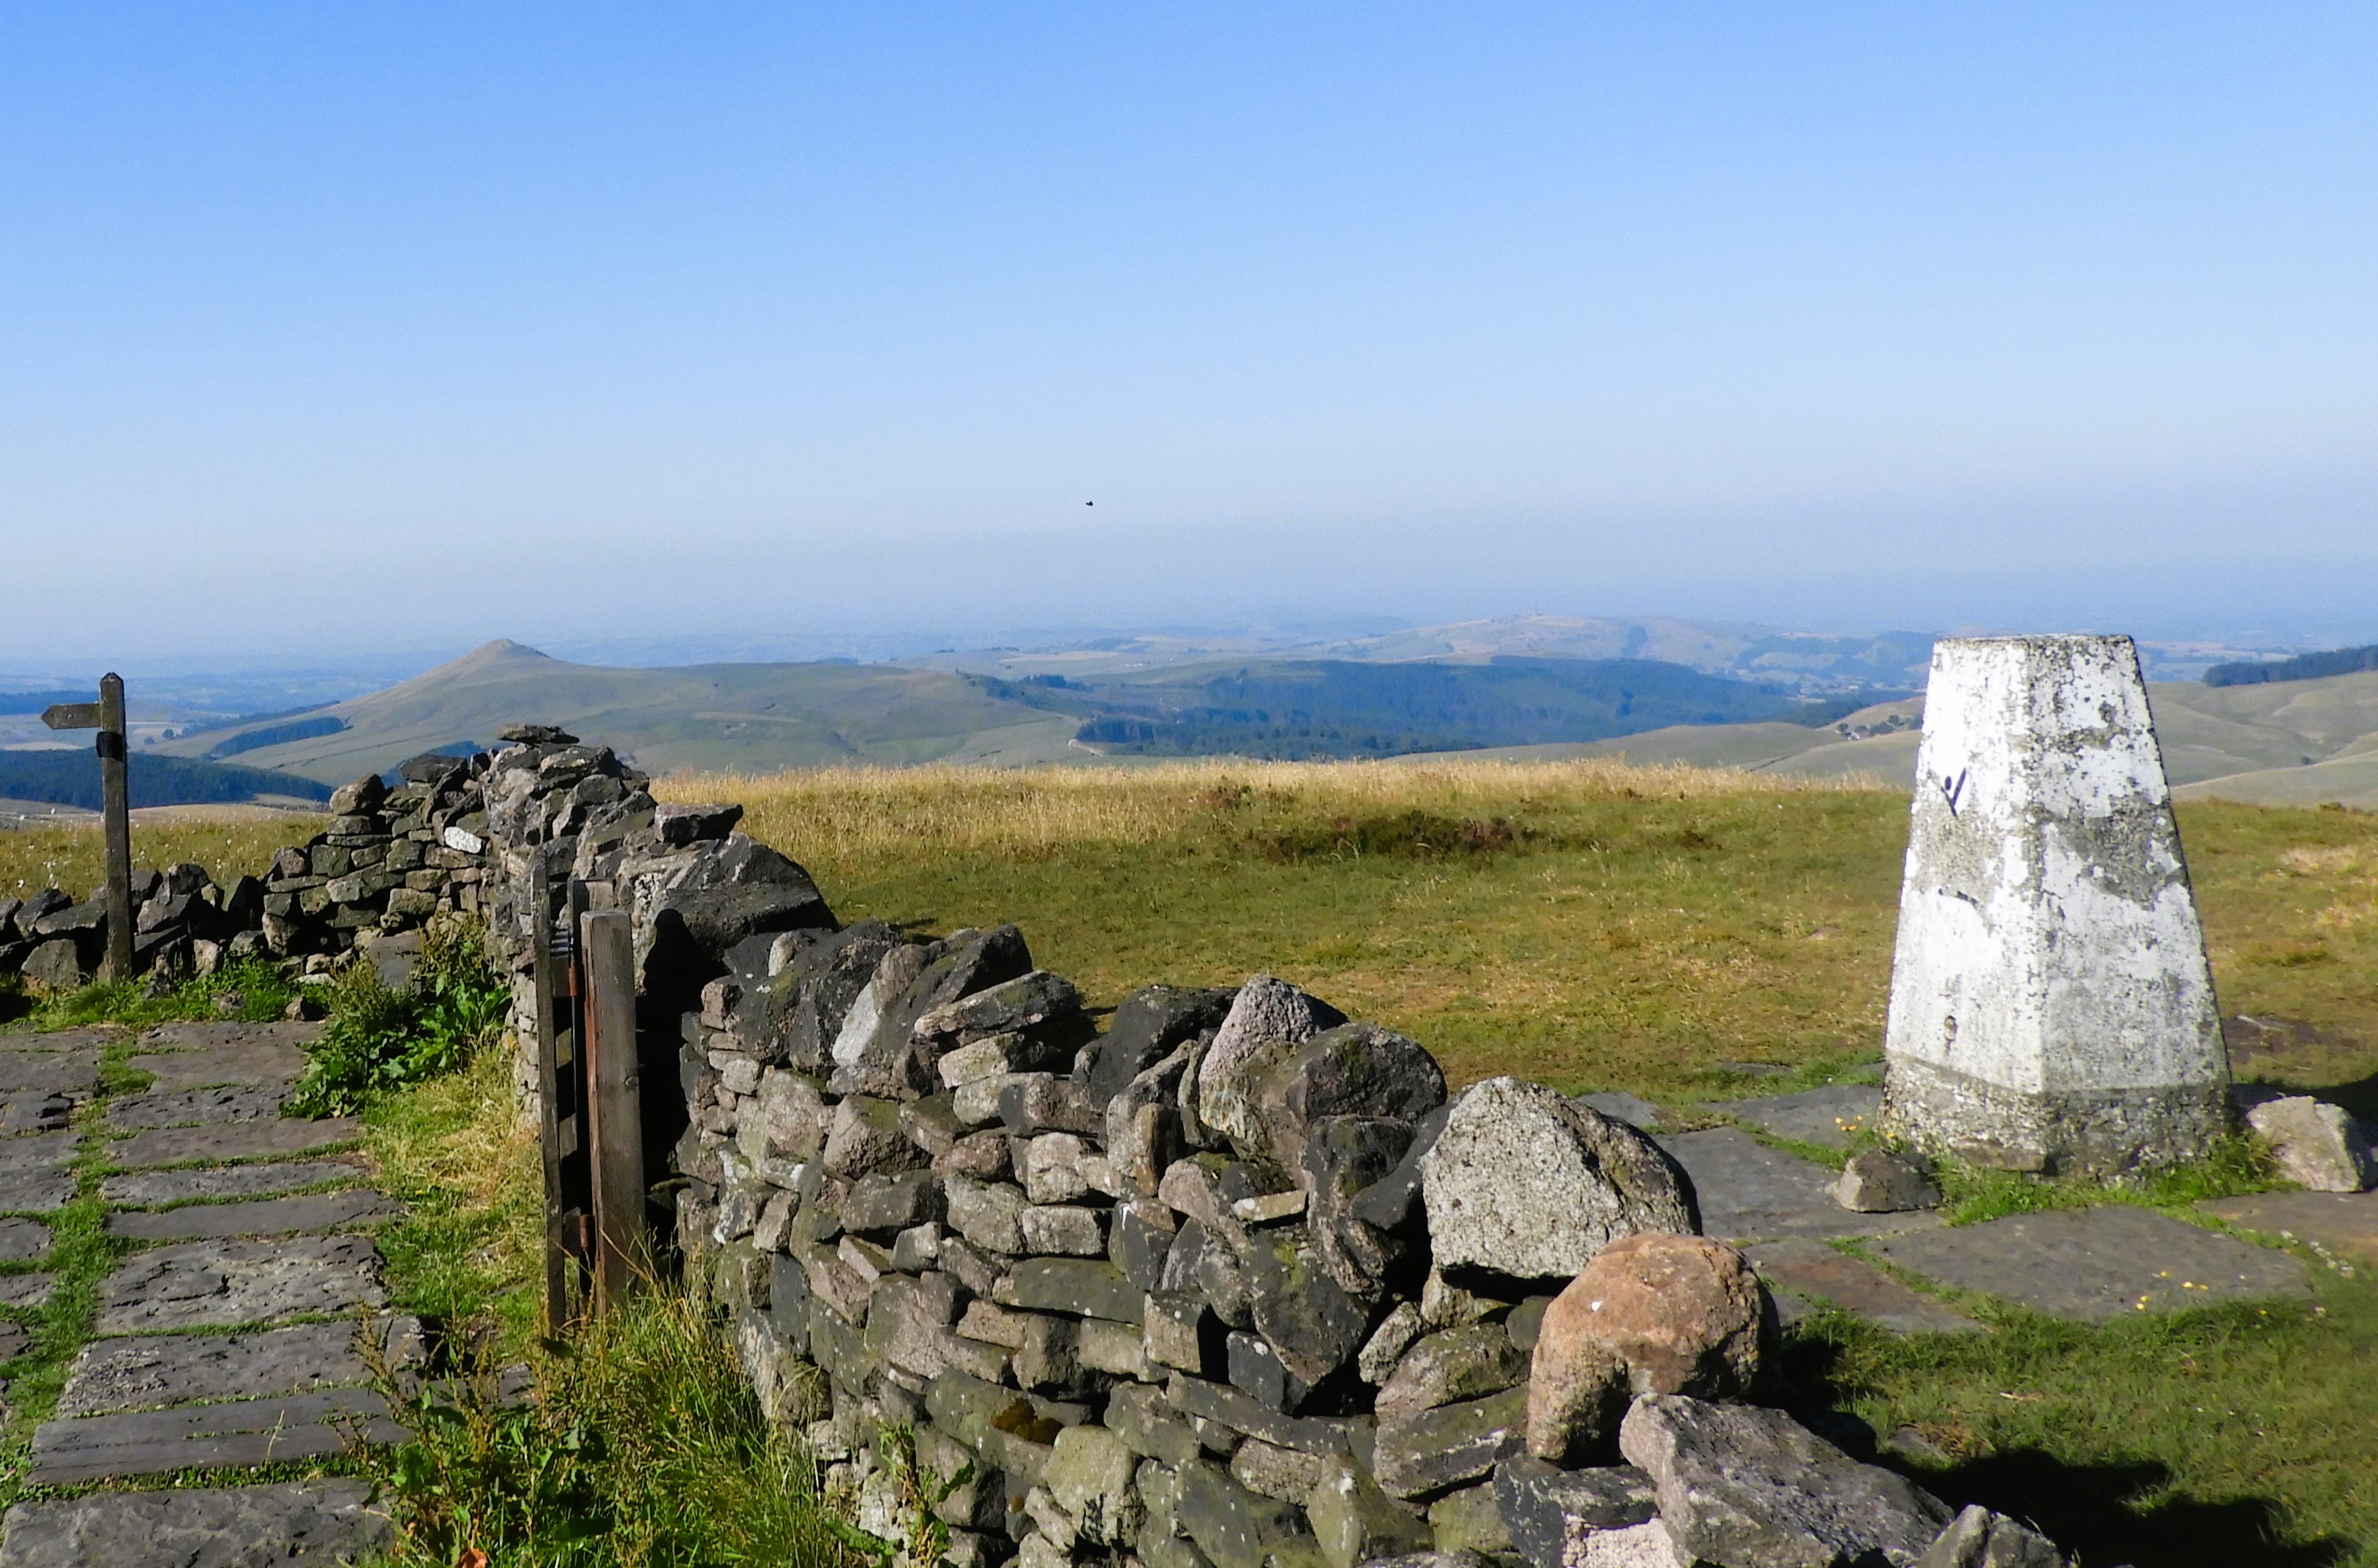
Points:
(2115, 1512)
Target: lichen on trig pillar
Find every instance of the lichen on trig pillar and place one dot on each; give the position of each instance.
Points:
(2050, 1005)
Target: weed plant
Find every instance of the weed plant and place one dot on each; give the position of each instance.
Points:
(380, 1038)
(643, 1447)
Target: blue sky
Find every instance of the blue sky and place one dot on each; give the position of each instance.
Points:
(338, 327)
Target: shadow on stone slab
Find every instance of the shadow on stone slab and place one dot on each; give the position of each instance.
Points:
(1815, 1271)
(1751, 1193)
(2095, 1266)
(312, 1524)
(1825, 1117)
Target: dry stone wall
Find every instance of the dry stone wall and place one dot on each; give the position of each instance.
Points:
(1221, 1279)
(387, 859)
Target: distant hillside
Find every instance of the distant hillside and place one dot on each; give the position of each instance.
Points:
(737, 717)
(71, 778)
(1292, 710)
(2304, 666)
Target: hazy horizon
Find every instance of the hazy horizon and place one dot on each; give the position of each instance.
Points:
(325, 332)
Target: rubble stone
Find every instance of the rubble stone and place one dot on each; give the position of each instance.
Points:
(1876, 1181)
(2316, 1145)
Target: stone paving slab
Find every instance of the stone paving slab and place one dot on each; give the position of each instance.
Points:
(63, 1062)
(2093, 1265)
(263, 1216)
(24, 1289)
(220, 1035)
(14, 1337)
(311, 1524)
(148, 1370)
(2343, 1223)
(197, 1108)
(1824, 1117)
(239, 1432)
(22, 1240)
(245, 1139)
(226, 1284)
(1751, 1193)
(34, 1110)
(29, 1193)
(241, 1064)
(141, 1187)
(1815, 1272)
(36, 1151)
(1630, 1108)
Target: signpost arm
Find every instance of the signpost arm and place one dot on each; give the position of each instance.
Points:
(115, 791)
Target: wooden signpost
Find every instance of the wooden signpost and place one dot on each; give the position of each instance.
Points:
(106, 715)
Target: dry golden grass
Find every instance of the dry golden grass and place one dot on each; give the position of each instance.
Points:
(74, 859)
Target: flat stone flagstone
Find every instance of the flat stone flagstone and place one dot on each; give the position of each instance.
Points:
(195, 1107)
(2345, 1224)
(1751, 1193)
(244, 1140)
(14, 1337)
(239, 1432)
(1633, 1110)
(1825, 1117)
(1815, 1272)
(263, 1216)
(66, 1063)
(36, 1151)
(21, 1240)
(313, 1524)
(2095, 1266)
(143, 1187)
(24, 1289)
(149, 1371)
(33, 1178)
(225, 1284)
(193, 1056)
(35, 1192)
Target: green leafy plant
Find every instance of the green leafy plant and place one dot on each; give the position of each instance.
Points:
(380, 1038)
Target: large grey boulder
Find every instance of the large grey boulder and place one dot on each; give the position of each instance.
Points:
(1526, 1184)
(1148, 1025)
(1268, 1014)
(2316, 1143)
(1751, 1487)
(1353, 1069)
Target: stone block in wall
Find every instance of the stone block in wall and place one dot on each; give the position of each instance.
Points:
(882, 1203)
(1435, 1450)
(1081, 1286)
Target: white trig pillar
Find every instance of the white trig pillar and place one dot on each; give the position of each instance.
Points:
(2052, 1009)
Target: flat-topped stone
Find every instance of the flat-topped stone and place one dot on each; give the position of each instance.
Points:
(71, 1450)
(145, 1187)
(309, 1524)
(1751, 1193)
(21, 1240)
(1827, 1116)
(191, 1056)
(262, 1217)
(226, 1284)
(2343, 1223)
(35, 1192)
(240, 1140)
(197, 1108)
(149, 1371)
(14, 1337)
(1814, 1272)
(218, 1035)
(25, 1289)
(2093, 1265)
(64, 1062)
(36, 1151)
(1633, 1110)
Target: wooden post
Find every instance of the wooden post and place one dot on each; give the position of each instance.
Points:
(106, 715)
(545, 977)
(614, 1104)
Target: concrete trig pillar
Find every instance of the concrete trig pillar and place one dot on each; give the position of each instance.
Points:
(2050, 1004)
